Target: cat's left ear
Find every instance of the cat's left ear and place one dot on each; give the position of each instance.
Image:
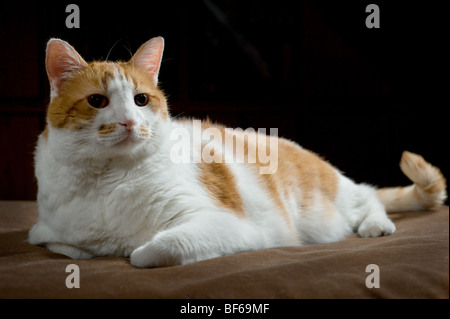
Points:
(148, 57)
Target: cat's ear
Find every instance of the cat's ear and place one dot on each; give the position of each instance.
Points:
(61, 60)
(148, 57)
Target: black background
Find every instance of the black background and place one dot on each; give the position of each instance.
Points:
(354, 95)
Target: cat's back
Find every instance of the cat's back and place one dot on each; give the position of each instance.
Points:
(249, 172)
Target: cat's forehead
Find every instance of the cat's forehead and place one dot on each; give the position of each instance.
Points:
(116, 75)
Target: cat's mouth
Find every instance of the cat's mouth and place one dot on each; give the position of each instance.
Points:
(119, 135)
(126, 139)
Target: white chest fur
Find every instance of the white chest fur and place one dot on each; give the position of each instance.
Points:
(110, 207)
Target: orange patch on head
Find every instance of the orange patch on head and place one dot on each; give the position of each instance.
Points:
(221, 186)
(70, 108)
(66, 113)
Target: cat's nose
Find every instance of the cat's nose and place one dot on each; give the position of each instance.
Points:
(128, 124)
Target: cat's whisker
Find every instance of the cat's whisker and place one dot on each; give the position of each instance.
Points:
(129, 51)
(178, 115)
(110, 50)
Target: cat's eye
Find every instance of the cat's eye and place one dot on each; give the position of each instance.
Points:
(98, 101)
(141, 99)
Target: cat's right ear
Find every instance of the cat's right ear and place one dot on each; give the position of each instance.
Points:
(61, 60)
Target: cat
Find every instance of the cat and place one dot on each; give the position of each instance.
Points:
(108, 186)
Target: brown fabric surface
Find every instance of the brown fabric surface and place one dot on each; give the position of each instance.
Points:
(413, 263)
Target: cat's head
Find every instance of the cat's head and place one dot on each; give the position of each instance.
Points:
(103, 109)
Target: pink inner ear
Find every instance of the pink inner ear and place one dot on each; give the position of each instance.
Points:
(148, 57)
(62, 59)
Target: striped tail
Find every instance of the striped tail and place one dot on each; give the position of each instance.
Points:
(427, 193)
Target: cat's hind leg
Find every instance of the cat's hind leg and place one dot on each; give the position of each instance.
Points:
(363, 210)
(374, 221)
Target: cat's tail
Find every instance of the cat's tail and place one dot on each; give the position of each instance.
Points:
(427, 193)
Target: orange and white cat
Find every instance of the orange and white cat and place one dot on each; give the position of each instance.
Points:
(108, 184)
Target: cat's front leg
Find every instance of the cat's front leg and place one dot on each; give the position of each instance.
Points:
(198, 239)
(43, 235)
(69, 250)
(163, 252)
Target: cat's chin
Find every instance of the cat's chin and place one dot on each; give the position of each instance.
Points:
(127, 146)
(128, 140)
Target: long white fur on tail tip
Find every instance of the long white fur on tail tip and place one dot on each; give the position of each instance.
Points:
(427, 193)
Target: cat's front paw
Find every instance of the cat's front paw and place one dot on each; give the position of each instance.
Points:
(143, 257)
(151, 255)
(376, 227)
